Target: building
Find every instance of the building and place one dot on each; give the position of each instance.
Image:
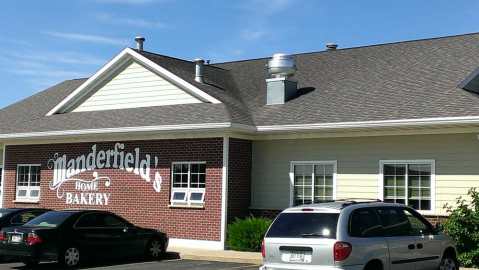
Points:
(186, 146)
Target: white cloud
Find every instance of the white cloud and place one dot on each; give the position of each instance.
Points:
(88, 38)
(57, 57)
(136, 22)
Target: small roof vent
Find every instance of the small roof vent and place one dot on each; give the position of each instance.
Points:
(281, 66)
(139, 43)
(331, 46)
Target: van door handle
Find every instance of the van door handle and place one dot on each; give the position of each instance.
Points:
(411, 246)
(419, 246)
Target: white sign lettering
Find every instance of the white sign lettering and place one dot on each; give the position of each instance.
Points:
(87, 191)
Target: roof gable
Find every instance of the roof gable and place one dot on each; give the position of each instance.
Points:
(86, 97)
(135, 86)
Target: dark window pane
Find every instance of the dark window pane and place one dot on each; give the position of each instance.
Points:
(113, 221)
(364, 223)
(93, 220)
(394, 221)
(50, 219)
(294, 225)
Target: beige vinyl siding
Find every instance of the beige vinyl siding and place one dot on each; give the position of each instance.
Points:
(133, 87)
(456, 159)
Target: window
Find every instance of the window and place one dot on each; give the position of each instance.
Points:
(313, 182)
(409, 183)
(394, 221)
(188, 183)
(25, 217)
(313, 225)
(28, 183)
(402, 222)
(365, 223)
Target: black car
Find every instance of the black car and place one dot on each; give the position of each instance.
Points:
(18, 216)
(70, 236)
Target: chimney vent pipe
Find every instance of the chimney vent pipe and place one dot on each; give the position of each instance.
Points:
(139, 43)
(199, 65)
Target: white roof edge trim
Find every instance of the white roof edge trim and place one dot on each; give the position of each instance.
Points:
(117, 130)
(380, 123)
(140, 58)
(258, 129)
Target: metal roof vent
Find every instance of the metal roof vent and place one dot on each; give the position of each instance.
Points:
(199, 65)
(139, 43)
(331, 46)
(280, 87)
(281, 65)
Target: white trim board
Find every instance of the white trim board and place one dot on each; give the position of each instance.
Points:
(367, 126)
(197, 244)
(111, 67)
(224, 190)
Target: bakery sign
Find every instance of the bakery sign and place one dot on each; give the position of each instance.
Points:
(94, 190)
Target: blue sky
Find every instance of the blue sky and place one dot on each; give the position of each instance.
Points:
(45, 42)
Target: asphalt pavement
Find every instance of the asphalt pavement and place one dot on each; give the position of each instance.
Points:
(173, 264)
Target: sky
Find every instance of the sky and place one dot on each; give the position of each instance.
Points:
(43, 43)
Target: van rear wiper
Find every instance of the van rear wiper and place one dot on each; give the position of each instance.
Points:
(305, 235)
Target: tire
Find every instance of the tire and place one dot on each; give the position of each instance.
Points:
(70, 257)
(374, 265)
(449, 262)
(30, 263)
(155, 249)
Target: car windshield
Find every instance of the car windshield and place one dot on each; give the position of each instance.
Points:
(304, 225)
(50, 219)
(5, 211)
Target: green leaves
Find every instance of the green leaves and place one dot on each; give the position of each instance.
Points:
(247, 234)
(463, 226)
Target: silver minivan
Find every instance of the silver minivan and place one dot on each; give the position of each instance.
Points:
(356, 235)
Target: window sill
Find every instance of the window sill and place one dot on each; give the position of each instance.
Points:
(200, 206)
(26, 201)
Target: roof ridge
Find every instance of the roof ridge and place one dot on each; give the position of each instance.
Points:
(357, 47)
(175, 58)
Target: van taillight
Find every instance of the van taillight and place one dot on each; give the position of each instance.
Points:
(33, 239)
(3, 236)
(342, 250)
(263, 252)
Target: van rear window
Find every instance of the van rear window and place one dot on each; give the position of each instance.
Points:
(304, 225)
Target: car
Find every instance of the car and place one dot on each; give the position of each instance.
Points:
(71, 236)
(18, 216)
(356, 235)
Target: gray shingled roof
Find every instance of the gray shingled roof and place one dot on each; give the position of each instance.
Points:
(404, 80)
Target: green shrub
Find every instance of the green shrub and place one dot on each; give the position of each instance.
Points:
(247, 234)
(463, 226)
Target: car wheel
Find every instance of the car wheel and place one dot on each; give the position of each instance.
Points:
(71, 257)
(30, 263)
(448, 262)
(154, 249)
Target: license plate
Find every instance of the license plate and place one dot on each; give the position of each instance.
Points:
(297, 257)
(16, 238)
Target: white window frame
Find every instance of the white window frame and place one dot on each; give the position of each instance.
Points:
(321, 162)
(188, 190)
(430, 162)
(28, 188)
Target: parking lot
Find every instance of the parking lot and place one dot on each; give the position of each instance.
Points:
(174, 264)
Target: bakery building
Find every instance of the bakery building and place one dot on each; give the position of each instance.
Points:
(188, 146)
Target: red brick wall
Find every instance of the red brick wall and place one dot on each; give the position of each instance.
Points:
(239, 178)
(131, 196)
